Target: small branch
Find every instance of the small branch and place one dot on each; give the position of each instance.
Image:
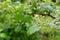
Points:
(46, 15)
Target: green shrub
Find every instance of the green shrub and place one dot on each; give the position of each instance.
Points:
(37, 20)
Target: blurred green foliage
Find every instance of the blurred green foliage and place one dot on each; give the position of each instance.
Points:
(29, 19)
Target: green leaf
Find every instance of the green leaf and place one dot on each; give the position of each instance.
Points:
(27, 18)
(17, 28)
(33, 29)
(19, 17)
(3, 35)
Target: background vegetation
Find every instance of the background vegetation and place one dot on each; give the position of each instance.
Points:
(29, 19)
